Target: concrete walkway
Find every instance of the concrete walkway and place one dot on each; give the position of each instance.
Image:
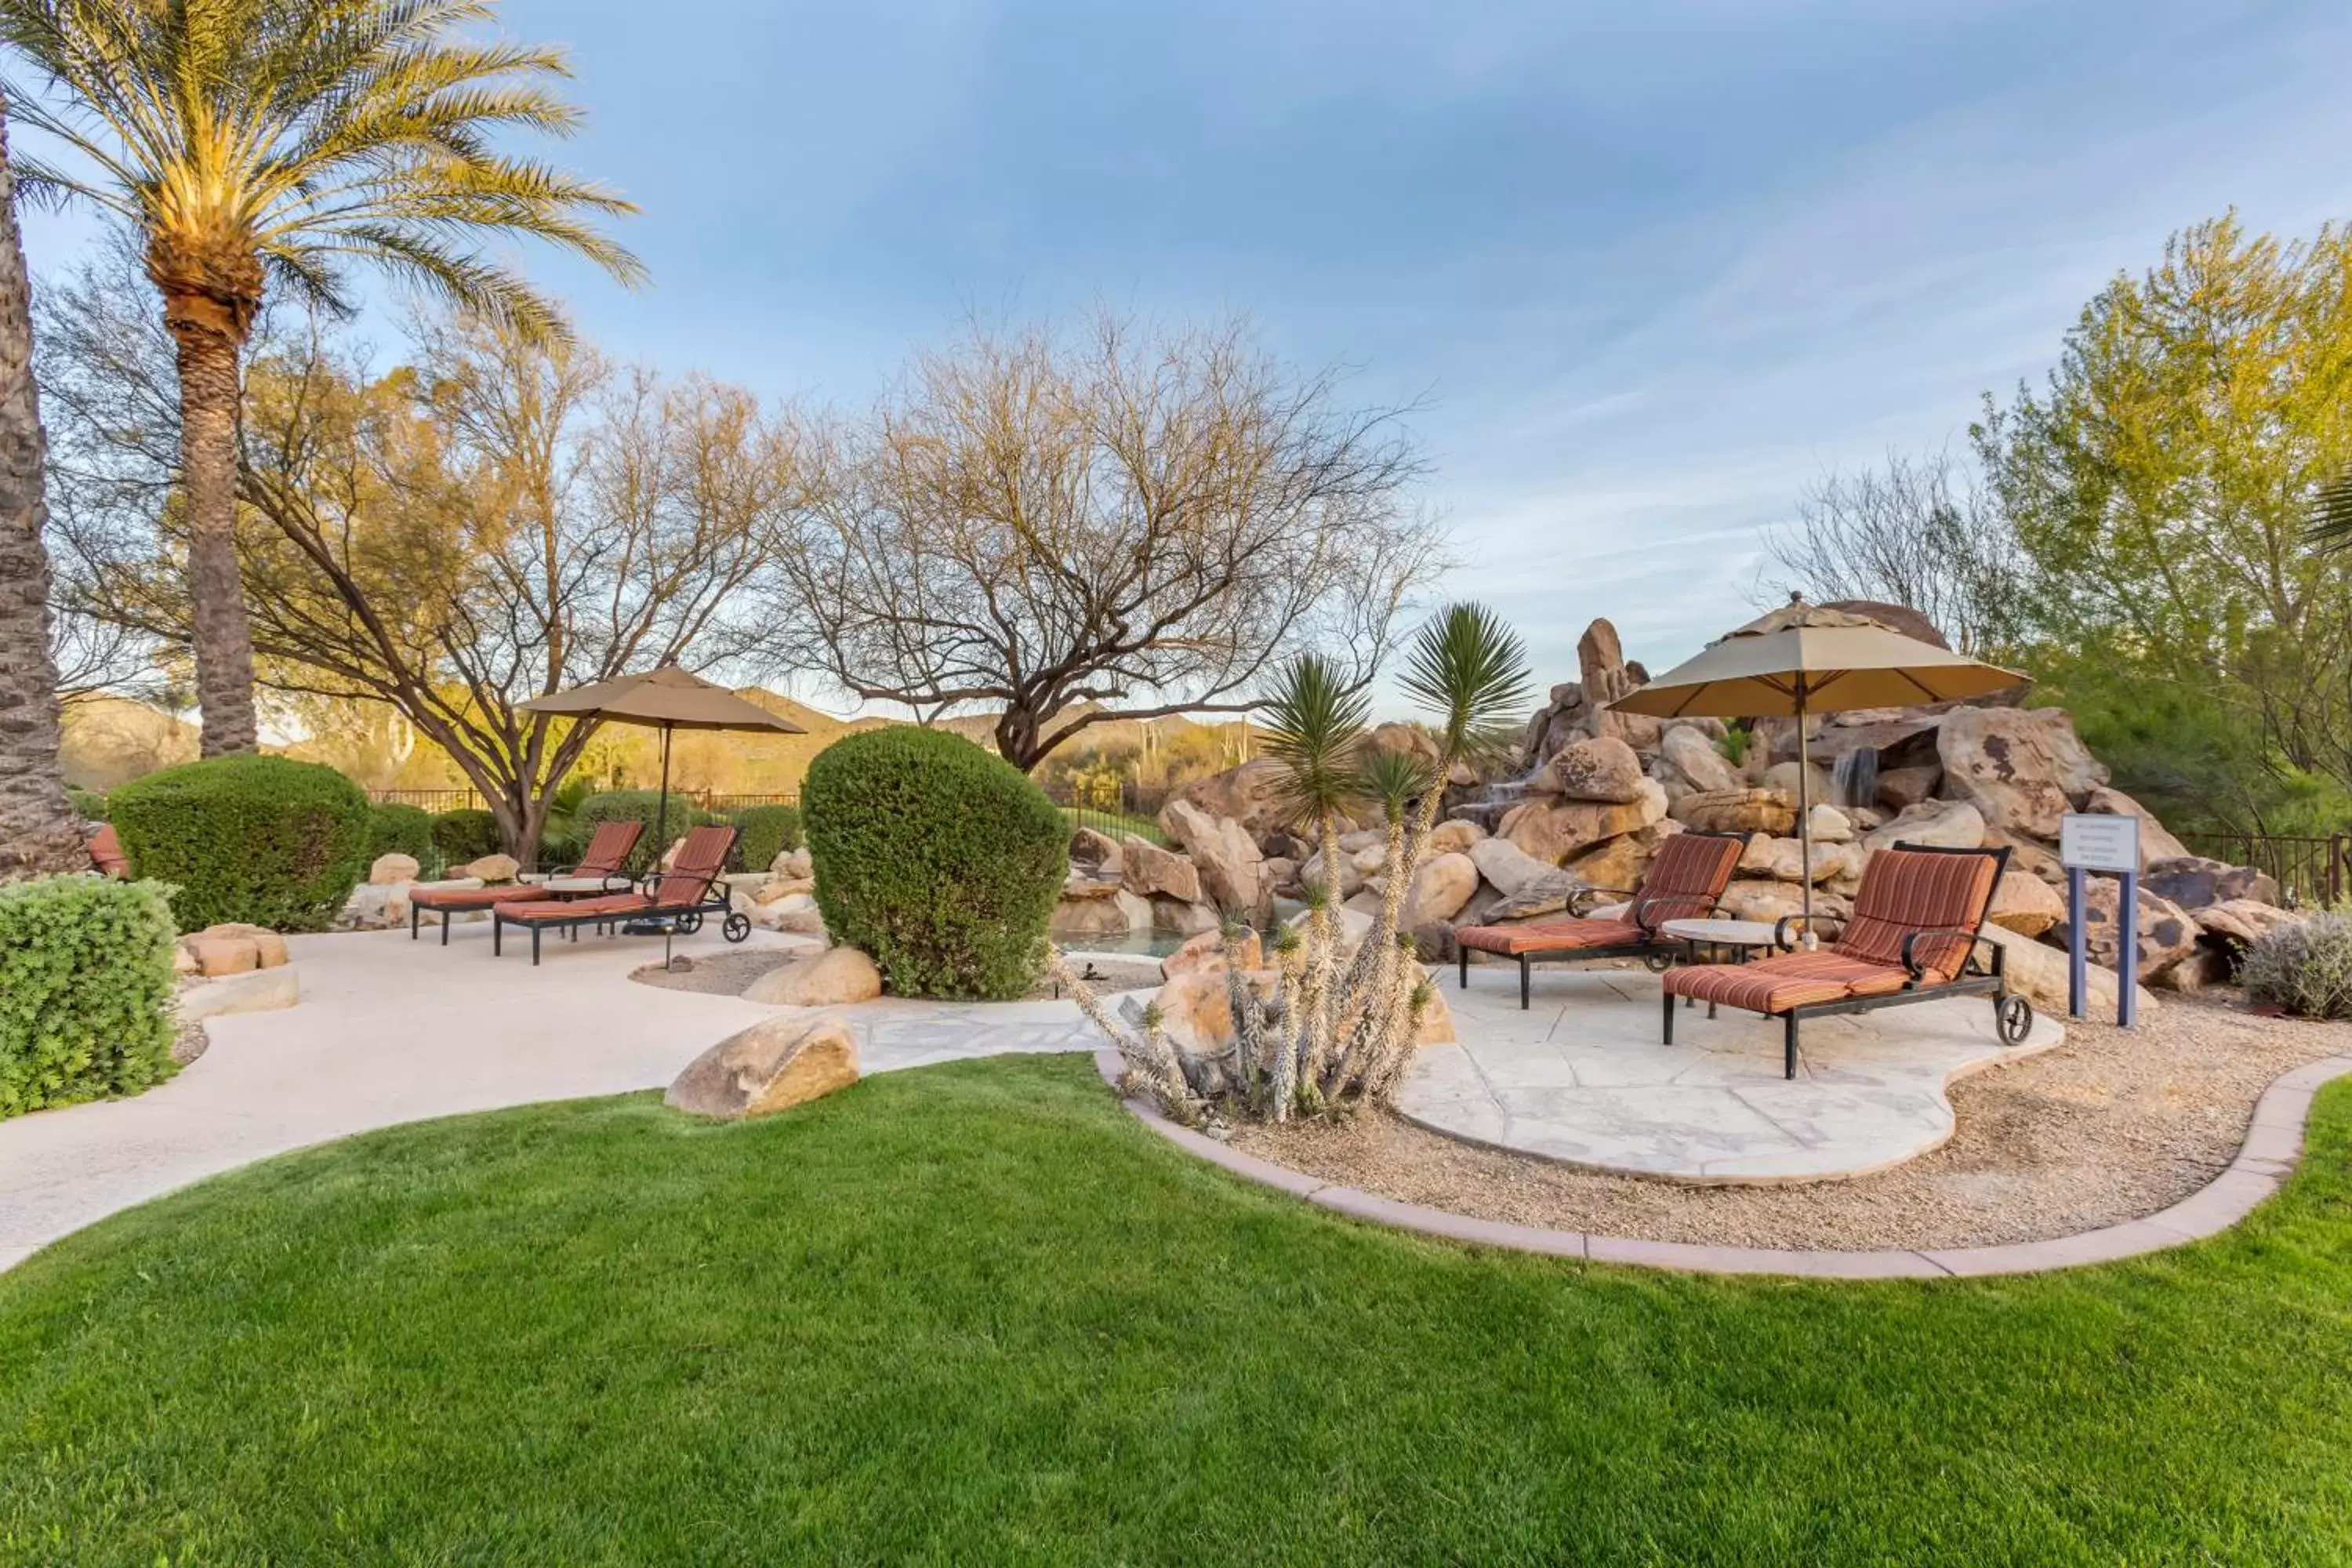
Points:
(390, 1031)
(1582, 1078)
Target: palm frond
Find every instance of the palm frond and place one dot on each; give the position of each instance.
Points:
(1394, 779)
(1469, 671)
(1314, 722)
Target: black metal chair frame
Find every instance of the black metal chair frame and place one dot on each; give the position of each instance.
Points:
(1652, 947)
(736, 926)
(2011, 1026)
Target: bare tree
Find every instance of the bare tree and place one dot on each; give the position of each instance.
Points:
(499, 519)
(1123, 526)
(1918, 532)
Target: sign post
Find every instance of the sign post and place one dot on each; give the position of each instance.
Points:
(2089, 842)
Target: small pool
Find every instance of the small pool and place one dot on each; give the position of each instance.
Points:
(1160, 944)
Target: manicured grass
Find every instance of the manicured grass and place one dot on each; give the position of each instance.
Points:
(974, 1314)
(1115, 825)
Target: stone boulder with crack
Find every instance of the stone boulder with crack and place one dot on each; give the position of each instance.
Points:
(1603, 769)
(1155, 872)
(1232, 869)
(1687, 749)
(2022, 769)
(777, 1063)
(2166, 931)
(2194, 883)
(1942, 823)
(835, 977)
(1737, 811)
(2025, 904)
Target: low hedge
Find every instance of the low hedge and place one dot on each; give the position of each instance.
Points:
(768, 832)
(88, 804)
(397, 829)
(85, 991)
(939, 859)
(639, 805)
(466, 833)
(256, 838)
(2304, 967)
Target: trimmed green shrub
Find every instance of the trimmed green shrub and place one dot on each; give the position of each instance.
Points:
(397, 829)
(939, 859)
(88, 804)
(2303, 966)
(768, 832)
(466, 833)
(85, 991)
(263, 839)
(638, 805)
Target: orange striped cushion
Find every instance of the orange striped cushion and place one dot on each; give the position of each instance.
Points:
(1550, 936)
(699, 860)
(1784, 981)
(473, 897)
(1685, 877)
(574, 908)
(608, 847)
(1905, 890)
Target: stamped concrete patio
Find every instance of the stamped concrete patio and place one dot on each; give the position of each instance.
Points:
(1582, 1077)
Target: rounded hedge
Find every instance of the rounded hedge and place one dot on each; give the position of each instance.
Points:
(466, 833)
(262, 839)
(85, 991)
(939, 859)
(768, 832)
(395, 829)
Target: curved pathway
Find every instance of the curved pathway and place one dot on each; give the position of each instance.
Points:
(2274, 1142)
(390, 1030)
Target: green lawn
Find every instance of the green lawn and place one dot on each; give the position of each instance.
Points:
(975, 1314)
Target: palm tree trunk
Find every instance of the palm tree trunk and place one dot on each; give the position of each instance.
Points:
(39, 832)
(222, 641)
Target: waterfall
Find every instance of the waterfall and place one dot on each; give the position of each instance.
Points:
(1854, 781)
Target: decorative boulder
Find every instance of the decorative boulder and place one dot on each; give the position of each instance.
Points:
(1505, 865)
(494, 869)
(1232, 870)
(2022, 769)
(1177, 918)
(1554, 831)
(1737, 811)
(254, 991)
(391, 871)
(1098, 852)
(1828, 825)
(2236, 922)
(1619, 862)
(1205, 954)
(1152, 871)
(1899, 789)
(1092, 910)
(794, 863)
(1941, 824)
(1783, 860)
(1440, 887)
(2039, 974)
(777, 1063)
(235, 947)
(1351, 876)
(834, 978)
(2156, 842)
(2026, 904)
(1781, 778)
(1692, 754)
(2167, 934)
(1251, 795)
(1434, 1024)
(2195, 883)
(1454, 836)
(1603, 769)
(1545, 893)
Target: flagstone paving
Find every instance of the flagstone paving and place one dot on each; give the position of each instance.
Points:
(1582, 1077)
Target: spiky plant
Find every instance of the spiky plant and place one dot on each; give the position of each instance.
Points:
(253, 141)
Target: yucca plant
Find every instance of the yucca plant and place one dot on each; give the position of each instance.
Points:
(246, 143)
(1337, 1030)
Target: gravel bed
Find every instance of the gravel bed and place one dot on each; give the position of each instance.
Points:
(2110, 1126)
(731, 974)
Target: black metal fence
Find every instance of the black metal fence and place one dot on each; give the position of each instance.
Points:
(2311, 871)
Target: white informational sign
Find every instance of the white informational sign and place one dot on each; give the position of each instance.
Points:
(2090, 841)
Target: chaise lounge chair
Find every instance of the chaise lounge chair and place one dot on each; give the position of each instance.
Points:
(1913, 938)
(604, 860)
(1685, 877)
(689, 890)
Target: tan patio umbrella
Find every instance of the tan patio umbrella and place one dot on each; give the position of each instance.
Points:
(668, 698)
(1802, 659)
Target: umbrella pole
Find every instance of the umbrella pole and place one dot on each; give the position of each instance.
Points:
(661, 812)
(1804, 811)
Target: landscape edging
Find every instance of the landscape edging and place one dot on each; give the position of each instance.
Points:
(2274, 1142)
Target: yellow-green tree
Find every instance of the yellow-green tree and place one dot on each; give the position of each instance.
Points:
(248, 142)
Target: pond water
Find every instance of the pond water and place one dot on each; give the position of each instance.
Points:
(1160, 944)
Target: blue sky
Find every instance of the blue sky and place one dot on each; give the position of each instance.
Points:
(1653, 265)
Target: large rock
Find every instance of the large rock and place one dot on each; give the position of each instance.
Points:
(1619, 863)
(1606, 678)
(1174, 917)
(492, 868)
(1098, 853)
(2166, 930)
(1205, 954)
(1941, 824)
(1737, 811)
(1505, 865)
(1899, 789)
(391, 871)
(777, 1063)
(1350, 875)
(1781, 777)
(1688, 750)
(1783, 860)
(1086, 912)
(834, 978)
(1196, 1017)
(254, 991)
(1553, 831)
(1251, 795)
(2023, 768)
(233, 948)
(2156, 842)
(1545, 893)
(2194, 883)
(1828, 825)
(797, 862)
(1231, 871)
(2039, 974)
(1604, 769)
(1149, 869)
(1454, 836)
(1440, 887)
(2026, 904)
(1434, 1026)
(1757, 898)
(2237, 922)
(1561, 720)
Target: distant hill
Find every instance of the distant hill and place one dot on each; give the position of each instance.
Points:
(110, 741)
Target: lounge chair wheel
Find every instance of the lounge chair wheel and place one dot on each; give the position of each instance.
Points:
(736, 927)
(1659, 963)
(2013, 1018)
(688, 924)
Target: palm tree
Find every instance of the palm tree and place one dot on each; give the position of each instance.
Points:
(38, 832)
(253, 141)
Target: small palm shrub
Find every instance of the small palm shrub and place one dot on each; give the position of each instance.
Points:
(939, 859)
(639, 805)
(396, 829)
(466, 833)
(85, 991)
(2303, 966)
(768, 832)
(256, 838)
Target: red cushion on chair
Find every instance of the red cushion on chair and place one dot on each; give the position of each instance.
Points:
(1907, 890)
(1784, 981)
(473, 897)
(1550, 936)
(609, 905)
(1685, 877)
